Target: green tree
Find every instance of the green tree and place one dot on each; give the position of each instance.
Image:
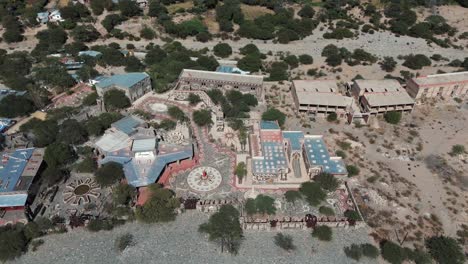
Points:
(88, 165)
(278, 71)
(176, 113)
(250, 62)
(445, 250)
(224, 228)
(273, 114)
(133, 64)
(392, 252)
(116, 99)
(123, 193)
(249, 49)
(326, 211)
(222, 50)
(284, 241)
(58, 154)
(72, 132)
(392, 117)
(292, 196)
(292, 61)
(209, 63)
(241, 171)
(147, 33)
(388, 64)
(12, 243)
(109, 174)
(332, 117)
(112, 20)
(312, 193)
(306, 12)
(323, 233)
(85, 33)
(306, 59)
(90, 99)
(14, 106)
(352, 215)
(52, 175)
(193, 99)
(161, 206)
(352, 170)
(370, 250)
(265, 204)
(327, 181)
(354, 251)
(416, 62)
(129, 8)
(202, 117)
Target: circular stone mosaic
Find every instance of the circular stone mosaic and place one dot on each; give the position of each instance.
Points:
(81, 191)
(204, 179)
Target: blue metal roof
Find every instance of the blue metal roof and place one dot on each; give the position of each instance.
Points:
(121, 80)
(274, 159)
(91, 53)
(269, 125)
(5, 92)
(318, 155)
(128, 124)
(11, 172)
(225, 69)
(131, 168)
(295, 139)
(12, 200)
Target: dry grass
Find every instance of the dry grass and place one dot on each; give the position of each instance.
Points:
(252, 12)
(210, 22)
(63, 3)
(173, 8)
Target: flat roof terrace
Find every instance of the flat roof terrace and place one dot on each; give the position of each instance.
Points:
(311, 92)
(438, 79)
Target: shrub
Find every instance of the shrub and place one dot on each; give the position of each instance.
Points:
(312, 192)
(388, 64)
(326, 210)
(392, 117)
(323, 233)
(352, 215)
(306, 59)
(273, 114)
(416, 62)
(124, 241)
(457, 150)
(352, 170)
(202, 117)
(96, 225)
(339, 33)
(222, 50)
(392, 252)
(193, 99)
(326, 181)
(370, 250)
(109, 173)
(284, 241)
(147, 33)
(341, 154)
(332, 117)
(445, 250)
(354, 251)
(292, 61)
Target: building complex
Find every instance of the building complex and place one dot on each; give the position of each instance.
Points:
(207, 80)
(439, 86)
(134, 84)
(381, 96)
(289, 156)
(18, 171)
(143, 153)
(320, 97)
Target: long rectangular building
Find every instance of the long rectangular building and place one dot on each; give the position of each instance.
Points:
(319, 97)
(439, 86)
(381, 96)
(18, 170)
(207, 80)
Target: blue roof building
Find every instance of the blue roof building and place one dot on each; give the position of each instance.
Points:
(281, 155)
(134, 84)
(231, 69)
(142, 153)
(17, 171)
(91, 53)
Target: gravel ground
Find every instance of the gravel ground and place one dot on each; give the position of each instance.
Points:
(180, 242)
(382, 43)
